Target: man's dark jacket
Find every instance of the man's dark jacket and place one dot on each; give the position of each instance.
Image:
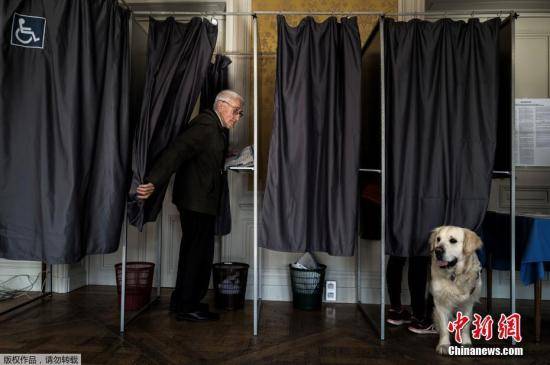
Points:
(198, 156)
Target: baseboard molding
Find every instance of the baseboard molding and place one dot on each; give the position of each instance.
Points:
(276, 286)
(65, 278)
(77, 279)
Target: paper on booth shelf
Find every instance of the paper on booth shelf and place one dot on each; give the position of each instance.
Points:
(244, 158)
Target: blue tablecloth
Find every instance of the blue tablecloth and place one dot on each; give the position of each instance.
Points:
(532, 244)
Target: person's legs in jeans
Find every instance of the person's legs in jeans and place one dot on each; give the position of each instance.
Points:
(429, 307)
(421, 307)
(394, 274)
(418, 278)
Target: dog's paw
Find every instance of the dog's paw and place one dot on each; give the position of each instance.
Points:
(466, 343)
(442, 349)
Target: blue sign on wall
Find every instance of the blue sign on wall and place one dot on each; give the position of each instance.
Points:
(28, 31)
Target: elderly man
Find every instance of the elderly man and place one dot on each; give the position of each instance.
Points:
(198, 156)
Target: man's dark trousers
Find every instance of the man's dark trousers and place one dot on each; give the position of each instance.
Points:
(195, 260)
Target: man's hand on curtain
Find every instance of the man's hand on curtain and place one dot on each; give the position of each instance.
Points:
(144, 191)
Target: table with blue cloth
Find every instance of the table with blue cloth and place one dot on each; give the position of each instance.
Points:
(532, 251)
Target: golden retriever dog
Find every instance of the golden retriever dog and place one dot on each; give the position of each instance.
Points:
(455, 279)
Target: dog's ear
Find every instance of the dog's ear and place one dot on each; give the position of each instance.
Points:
(472, 242)
(433, 238)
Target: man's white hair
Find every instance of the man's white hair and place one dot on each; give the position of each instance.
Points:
(228, 96)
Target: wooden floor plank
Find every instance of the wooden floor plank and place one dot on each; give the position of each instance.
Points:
(86, 322)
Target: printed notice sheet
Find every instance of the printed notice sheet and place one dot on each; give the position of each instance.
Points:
(532, 132)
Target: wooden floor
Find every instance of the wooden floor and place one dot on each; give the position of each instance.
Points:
(86, 321)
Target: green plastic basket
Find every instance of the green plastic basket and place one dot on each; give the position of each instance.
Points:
(307, 287)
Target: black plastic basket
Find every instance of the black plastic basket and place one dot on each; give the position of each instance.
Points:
(307, 287)
(230, 284)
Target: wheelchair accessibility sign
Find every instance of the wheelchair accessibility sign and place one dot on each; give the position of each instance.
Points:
(28, 31)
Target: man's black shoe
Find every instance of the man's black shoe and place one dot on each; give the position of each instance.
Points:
(197, 316)
(201, 307)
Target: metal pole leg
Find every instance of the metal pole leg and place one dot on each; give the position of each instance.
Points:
(256, 164)
(383, 188)
(513, 179)
(159, 255)
(123, 281)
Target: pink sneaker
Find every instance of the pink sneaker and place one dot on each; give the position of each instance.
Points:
(422, 327)
(398, 318)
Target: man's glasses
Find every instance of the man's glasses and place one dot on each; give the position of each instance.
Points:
(236, 110)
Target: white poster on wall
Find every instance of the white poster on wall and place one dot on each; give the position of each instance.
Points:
(532, 132)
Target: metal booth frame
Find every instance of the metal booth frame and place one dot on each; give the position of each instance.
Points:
(256, 261)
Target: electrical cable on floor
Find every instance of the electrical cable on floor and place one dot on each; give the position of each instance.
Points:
(7, 293)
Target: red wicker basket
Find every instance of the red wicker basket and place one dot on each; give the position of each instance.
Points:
(139, 283)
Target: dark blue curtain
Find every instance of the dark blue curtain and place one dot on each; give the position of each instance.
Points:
(442, 93)
(311, 198)
(177, 61)
(64, 128)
